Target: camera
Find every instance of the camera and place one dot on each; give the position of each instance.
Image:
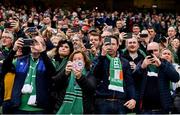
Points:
(78, 65)
(27, 42)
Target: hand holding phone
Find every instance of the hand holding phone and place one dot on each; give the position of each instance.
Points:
(127, 35)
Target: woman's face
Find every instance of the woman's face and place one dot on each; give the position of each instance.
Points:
(78, 57)
(167, 55)
(64, 50)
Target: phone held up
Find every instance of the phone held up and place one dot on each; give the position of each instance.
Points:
(149, 53)
(107, 40)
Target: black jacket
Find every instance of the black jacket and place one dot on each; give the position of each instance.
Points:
(101, 72)
(166, 73)
(87, 84)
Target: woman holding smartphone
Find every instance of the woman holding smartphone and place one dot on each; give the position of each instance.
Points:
(78, 98)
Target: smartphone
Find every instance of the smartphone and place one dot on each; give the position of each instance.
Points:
(127, 36)
(64, 29)
(31, 29)
(7, 25)
(27, 42)
(149, 53)
(107, 40)
(143, 35)
(88, 46)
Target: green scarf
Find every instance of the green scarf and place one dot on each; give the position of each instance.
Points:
(61, 65)
(116, 74)
(72, 103)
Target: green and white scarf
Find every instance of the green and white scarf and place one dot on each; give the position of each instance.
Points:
(72, 103)
(30, 83)
(116, 74)
(152, 71)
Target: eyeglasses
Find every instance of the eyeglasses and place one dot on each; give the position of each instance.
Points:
(6, 37)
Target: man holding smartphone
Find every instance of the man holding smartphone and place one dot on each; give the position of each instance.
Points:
(30, 92)
(155, 76)
(115, 87)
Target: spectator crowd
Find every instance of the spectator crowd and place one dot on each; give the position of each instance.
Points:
(60, 61)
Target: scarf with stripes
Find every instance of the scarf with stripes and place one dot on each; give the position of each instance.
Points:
(72, 103)
(116, 74)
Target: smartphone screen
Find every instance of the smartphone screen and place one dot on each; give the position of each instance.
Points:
(149, 53)
(107, 40)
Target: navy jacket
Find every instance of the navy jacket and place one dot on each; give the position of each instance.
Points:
(101, 71)
(166, 73)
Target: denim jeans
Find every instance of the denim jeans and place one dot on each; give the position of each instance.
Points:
(105, 106)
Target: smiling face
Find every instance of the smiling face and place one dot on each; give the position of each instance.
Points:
(132, 45)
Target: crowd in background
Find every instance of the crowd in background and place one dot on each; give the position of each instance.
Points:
(88, 61)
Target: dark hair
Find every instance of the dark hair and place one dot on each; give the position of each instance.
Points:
(95, 34)
(135, 25)
(86, 59)
(150, 27)
(64, 41)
